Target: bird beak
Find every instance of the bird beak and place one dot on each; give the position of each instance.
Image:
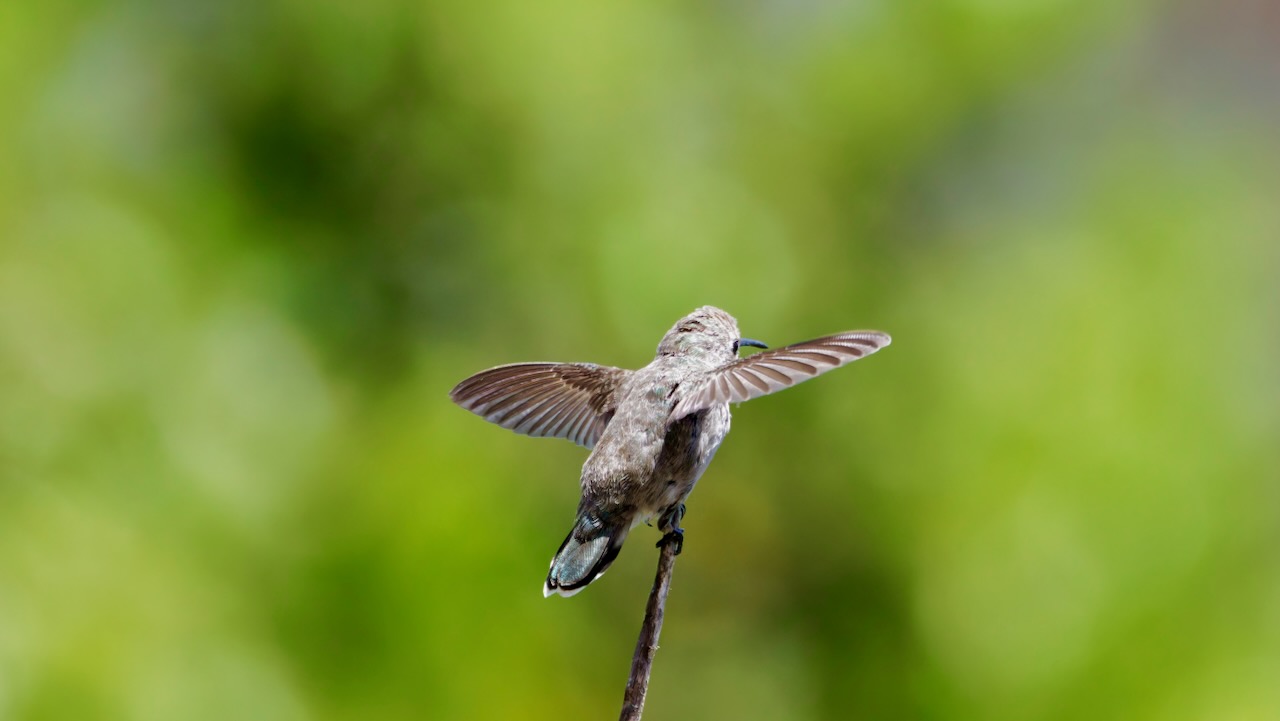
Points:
(751, 342)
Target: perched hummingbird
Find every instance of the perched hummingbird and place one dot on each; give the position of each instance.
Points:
(651, 431)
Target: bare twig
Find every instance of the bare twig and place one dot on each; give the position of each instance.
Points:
(647, 644)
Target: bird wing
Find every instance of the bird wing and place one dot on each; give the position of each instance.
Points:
(574, 401)
(772, 370)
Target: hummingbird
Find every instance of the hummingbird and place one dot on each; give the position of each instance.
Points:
(651, 432)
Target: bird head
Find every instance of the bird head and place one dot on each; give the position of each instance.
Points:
(708, 333)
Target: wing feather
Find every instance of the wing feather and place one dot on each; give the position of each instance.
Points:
(559, 417)
(574, 401)
(523, 407)
(544, 412)
(773, 370)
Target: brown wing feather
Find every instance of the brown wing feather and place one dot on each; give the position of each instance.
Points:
(773, 370)
(573, 401)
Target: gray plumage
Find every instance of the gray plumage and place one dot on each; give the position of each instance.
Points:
(653, 431)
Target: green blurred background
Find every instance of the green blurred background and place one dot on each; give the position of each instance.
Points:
(247, 248)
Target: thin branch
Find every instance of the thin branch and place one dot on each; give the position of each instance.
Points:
(647, 644)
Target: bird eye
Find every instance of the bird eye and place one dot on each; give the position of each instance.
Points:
(735, 346)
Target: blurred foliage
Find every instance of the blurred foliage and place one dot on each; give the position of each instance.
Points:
(246, 248)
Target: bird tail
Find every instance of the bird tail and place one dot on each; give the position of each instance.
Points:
(587, 552)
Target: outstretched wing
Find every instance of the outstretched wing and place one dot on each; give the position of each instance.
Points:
(773, 370)
(573, 401)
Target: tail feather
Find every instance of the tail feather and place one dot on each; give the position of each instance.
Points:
(585, 555)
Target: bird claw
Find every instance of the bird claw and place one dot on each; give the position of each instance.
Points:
(676, 536)
(670, 523)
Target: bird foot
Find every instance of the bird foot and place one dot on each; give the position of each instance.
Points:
(669, 523)
(676, 536)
